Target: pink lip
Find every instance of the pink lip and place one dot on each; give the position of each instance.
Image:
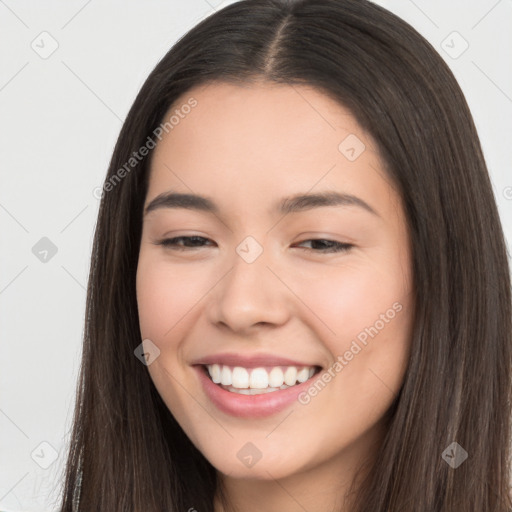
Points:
(249, 406)
(250, 361)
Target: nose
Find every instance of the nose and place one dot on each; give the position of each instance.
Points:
(250, 295)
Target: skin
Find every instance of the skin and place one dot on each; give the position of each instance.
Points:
(246, 147)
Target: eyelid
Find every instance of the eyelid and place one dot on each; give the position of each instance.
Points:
(165, 241)
(335, 247)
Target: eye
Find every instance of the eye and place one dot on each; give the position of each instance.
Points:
(327, 245)
(195, 242)
(191, 242)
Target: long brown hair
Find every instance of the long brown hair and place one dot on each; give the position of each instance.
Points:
(127, 452)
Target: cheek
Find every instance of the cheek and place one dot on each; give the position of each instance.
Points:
(365, 311)
(349, 298)
(371, 373)
(167, 295)
(370, 349)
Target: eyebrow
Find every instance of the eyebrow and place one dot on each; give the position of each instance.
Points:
(293, 204)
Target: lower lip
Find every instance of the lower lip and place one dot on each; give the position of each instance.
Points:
(250, 406)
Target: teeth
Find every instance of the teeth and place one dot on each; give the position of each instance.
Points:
(276, 377)
(225, 376)
(240, 377)
(215, 373)
(303, 375)
(290, 376)
(258, 380)
(253, 391)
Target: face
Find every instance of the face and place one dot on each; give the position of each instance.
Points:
(252, 277)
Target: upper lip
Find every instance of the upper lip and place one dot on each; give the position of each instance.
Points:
(250, 361)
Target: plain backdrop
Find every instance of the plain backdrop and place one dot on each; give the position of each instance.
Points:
(69, 73)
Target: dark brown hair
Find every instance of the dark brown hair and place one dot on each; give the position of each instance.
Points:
(127, 453)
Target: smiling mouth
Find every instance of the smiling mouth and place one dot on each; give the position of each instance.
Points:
(257, 381)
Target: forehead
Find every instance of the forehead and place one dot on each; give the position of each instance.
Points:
(259, 141)
(253, 115)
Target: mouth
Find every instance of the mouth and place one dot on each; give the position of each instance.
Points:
(253, 392)
(260, 380)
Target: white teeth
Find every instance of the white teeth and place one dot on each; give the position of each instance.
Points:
(215, 373)
(276, 377)
(240, 377)
(290, 375)
(303, 375)
(225, 378)
(251, 391)
(258, 380)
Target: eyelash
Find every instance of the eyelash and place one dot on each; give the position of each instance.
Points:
(335, 247)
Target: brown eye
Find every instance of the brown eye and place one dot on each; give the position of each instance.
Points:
(189, 242)
(323, 245)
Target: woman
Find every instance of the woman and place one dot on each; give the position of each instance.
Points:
(227, 365)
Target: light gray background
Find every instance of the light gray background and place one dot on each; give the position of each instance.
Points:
(59, 119)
